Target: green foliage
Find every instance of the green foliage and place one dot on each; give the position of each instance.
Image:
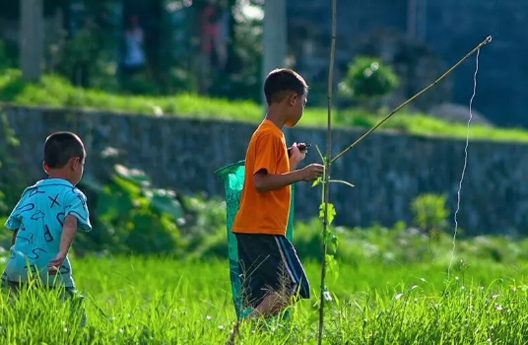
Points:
(53, 90)
(5, 61)
(330, 211)
(402, 245)
(129, 216)
(329, 238)
(430, 213)
(141, 83)
(367, 79)
(75, 60)
(132, 217)
(182, 80)
(85, 57)
(204, 229)
(89, 55)
(10, 177)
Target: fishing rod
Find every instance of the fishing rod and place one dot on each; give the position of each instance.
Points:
(480, 45)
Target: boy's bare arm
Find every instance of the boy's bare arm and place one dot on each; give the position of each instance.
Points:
(69, 230)
(266, 182)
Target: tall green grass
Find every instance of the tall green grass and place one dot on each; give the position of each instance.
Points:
(165, 301)
(55, 91)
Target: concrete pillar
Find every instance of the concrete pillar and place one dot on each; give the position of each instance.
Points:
(31, 38)
(411, 19)
(274, 41)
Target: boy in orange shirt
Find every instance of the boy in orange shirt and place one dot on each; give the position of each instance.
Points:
(271, 270)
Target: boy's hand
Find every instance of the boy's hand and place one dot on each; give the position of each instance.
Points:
(312, 172)
(55, 264)
(296, 155)
(69, 229)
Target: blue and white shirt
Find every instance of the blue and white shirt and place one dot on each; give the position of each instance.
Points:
(39, 218)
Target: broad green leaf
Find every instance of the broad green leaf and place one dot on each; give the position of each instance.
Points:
(331, 212)
(161, 201)
(126, 185)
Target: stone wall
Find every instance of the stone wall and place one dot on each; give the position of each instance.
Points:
(388, 169)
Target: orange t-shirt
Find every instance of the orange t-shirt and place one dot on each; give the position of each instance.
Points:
(264, 212)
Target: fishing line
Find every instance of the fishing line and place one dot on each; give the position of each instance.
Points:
(465, 161)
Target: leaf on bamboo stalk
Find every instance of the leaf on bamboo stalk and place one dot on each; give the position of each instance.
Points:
(331, 212)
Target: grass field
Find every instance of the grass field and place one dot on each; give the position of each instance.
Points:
(163, 301)
(55, 91)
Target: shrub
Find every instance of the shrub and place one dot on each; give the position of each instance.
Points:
(368, 79)
(430, 213)
(131, 216)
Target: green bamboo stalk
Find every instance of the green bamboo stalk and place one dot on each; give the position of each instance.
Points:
(326, 176)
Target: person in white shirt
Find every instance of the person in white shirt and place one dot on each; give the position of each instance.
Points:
(134, 58)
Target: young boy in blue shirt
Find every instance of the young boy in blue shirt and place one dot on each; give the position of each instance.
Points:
(47, 217)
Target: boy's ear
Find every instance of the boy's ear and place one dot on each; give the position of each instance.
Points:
(77, 162)
(45, 167)
(292, 99)
(72, 162)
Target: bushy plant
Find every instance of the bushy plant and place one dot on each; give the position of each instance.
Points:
(132, 217)
(368, 79)
(430, 213)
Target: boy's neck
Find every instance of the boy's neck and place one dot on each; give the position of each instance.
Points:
(276, 116)
(58, 174)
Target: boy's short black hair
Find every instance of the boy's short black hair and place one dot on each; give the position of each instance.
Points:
(280, 81)
(59, 147)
